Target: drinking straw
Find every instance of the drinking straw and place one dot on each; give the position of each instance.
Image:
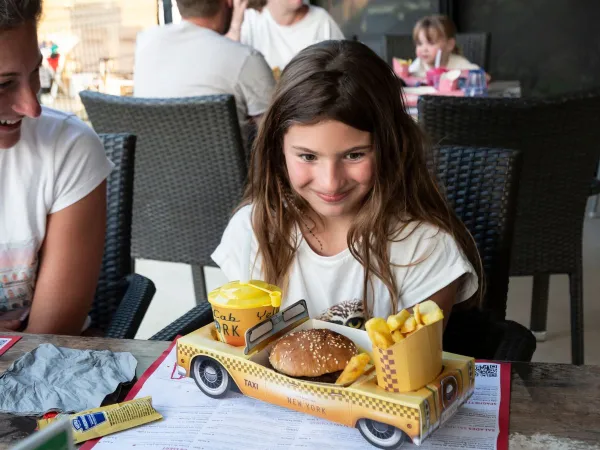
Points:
(438, 58)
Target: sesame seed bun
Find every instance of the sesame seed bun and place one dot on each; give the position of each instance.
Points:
(312, 353)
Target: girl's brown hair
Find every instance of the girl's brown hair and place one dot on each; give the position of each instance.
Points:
(347, 82)
(436, 27)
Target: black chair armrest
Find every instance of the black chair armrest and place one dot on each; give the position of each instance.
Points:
(197, 317)
(517, 343)
(478, 334)
(128, 317)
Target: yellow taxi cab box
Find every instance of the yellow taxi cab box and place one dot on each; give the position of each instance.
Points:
(386, 418)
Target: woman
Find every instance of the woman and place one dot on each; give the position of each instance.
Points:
(52, 184)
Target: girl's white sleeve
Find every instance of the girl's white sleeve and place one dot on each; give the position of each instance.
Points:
(428, 260)
(228, 254)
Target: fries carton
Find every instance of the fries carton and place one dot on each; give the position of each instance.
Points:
(411, 363)
(385, 418)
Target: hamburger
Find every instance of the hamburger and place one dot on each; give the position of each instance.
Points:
(313, 355)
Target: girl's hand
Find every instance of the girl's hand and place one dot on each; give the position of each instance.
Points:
(239, 8)
(10, 325)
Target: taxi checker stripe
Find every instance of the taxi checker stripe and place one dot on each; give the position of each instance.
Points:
(386, 407)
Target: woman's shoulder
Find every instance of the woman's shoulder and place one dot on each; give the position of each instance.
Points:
(62, 133)
(54, 122)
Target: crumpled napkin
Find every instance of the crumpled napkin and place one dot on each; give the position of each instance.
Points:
(61, 379)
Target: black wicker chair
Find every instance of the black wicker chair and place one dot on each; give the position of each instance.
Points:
(559, 138)
(474, 47)
(481, 185)
(122, 297)
(190, 172)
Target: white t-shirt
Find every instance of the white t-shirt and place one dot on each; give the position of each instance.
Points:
(419, 69)
(333, 285)
(58, 161)
(279, 43)
(186, 60)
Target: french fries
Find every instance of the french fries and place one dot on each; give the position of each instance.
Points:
(382, 340)
(354, 369)
(397, 336)
(385, 333)
(409, 326)
(379, 332)
(430, 312)
(395, 322)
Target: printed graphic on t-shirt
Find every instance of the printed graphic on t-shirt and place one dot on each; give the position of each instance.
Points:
(349, 313)
(18, 268)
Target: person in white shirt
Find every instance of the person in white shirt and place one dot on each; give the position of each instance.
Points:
(193, 58)
(432, 34)
(283, 28)
(52, 184)
(341, 209)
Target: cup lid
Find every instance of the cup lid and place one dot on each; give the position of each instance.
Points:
(239, 295)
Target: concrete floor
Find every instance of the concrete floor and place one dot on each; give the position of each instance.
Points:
(175, 295)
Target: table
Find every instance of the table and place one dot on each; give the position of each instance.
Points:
(13, 428)
(554, 405)
(496, 89)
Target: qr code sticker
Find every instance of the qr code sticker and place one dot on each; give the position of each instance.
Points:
(486, 370)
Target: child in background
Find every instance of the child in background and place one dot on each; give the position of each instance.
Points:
(341, 209)
(433, 33)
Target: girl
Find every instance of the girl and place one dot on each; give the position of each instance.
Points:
(431, 34)
(340, 207)
(52, 190)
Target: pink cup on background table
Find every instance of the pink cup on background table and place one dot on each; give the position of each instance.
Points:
(448, 81)
(433, 76)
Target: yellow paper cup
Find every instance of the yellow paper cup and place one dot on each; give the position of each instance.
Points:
(413, 362)
(238, 306)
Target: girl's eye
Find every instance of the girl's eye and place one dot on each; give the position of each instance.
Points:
(5, 84)
(307, 157)
(355, 156)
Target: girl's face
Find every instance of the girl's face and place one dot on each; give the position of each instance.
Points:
(331, 165)
(426, 51)
(20, 60)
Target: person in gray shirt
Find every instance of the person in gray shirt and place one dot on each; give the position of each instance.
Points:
(193, 58)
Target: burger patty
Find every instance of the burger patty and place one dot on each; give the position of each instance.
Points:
(327, 378)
